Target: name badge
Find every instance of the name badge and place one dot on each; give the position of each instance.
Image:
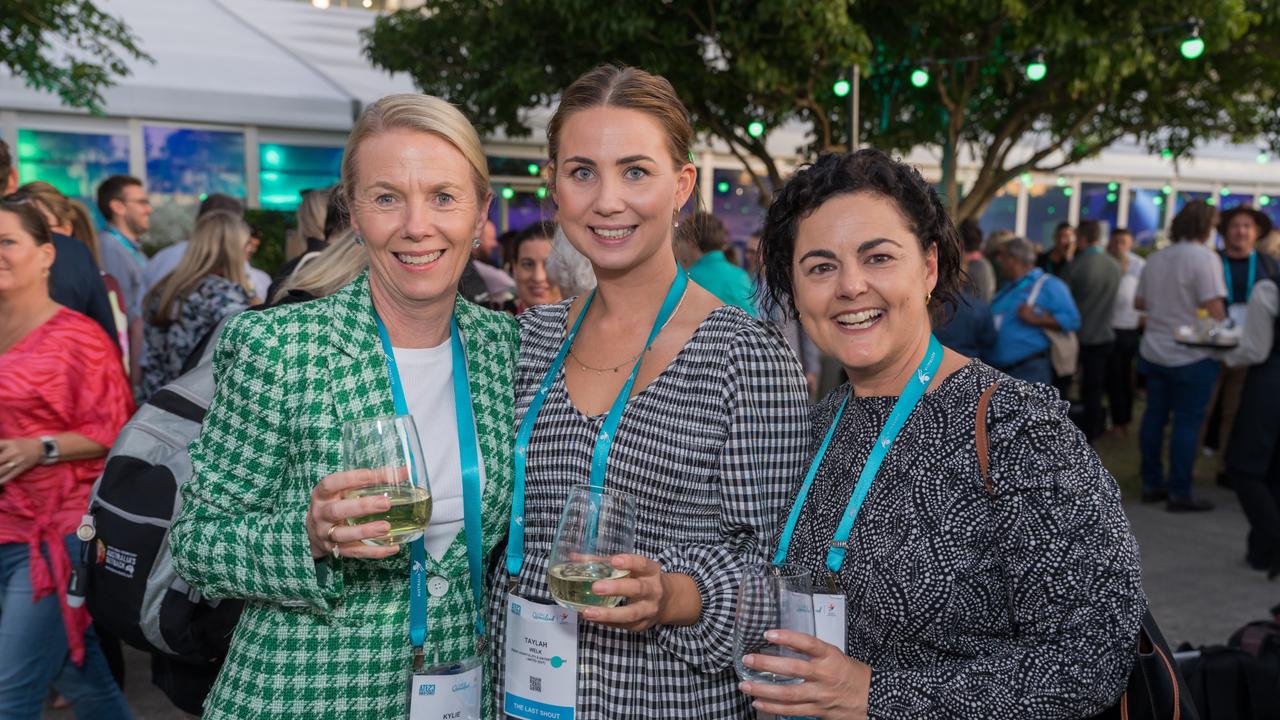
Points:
(541, 661)
(829, 620)
(446, 692)
(1238, 313)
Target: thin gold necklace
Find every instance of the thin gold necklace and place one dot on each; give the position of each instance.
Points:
(633, 358)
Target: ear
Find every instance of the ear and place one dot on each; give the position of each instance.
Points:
(48, 253)
(483, 217)
(686, 182)
(931, 268)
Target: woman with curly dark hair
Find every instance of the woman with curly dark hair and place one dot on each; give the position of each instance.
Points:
(976, 556)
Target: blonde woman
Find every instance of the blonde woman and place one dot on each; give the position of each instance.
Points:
(207, 285)
(334, 267)
(326, 630)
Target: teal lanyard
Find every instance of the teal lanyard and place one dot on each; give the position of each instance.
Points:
(133, 250)
(470, 458)
(1253, 275)
(604, 441)
(1091, 250)
(902, 410)
(1007, 292)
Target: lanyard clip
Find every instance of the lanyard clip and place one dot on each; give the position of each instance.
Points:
(833, 587)
(419, 661)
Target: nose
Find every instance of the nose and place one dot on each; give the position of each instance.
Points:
(609, 200)
(852, 281)
(419, 220)
(539, 273)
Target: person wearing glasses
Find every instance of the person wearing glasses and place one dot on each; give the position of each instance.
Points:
(63, 399)
(976, 541)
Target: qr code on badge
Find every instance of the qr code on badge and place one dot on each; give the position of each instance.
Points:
(535, 684)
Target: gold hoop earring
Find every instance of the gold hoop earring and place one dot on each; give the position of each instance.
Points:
(928, 297)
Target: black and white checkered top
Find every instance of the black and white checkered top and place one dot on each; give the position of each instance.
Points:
(711, 449)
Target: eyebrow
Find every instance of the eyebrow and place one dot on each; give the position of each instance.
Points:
(442, 185)
(621, 161)
(825, 254)
(872, 244)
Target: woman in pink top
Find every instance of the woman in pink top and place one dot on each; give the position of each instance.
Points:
(63, 399)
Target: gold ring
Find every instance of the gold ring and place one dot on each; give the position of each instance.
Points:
(329, 535)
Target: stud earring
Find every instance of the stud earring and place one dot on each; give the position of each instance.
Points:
(475, 243)
(359, 240)
(928, 297)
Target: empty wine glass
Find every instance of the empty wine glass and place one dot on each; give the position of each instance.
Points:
(597, 523)
(389, 446)
(770, 597)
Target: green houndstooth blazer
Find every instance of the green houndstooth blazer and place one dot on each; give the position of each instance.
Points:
(325, 639)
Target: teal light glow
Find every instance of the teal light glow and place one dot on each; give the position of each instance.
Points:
(919, 77)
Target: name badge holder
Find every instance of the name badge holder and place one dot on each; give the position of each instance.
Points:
(541, 657)
(446, 691)
(830, 608)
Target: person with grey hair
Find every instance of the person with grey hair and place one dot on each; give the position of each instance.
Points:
(568, 268)
(1031, 302)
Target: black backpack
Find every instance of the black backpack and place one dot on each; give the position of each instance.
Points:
(1230, 684)
(1260, 639)
(132, 589)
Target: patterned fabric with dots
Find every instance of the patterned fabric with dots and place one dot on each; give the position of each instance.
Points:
(323, 639)
(1021, 604)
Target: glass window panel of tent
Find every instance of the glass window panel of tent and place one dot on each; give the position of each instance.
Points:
(75, 163)
(185, 165)
(1047, 207)
(1232, 199)
(1186, 196)
(286, 171)
(1101, 202)
(514, 167)
(735, 199)
(1146, 214)
(1002, 212)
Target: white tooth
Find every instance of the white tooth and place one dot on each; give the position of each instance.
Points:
(419, 259)
(623, 232)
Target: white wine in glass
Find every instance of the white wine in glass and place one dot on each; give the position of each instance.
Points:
(596, 525)
(389, 446)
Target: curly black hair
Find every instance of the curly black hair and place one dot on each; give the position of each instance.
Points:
(869, 171)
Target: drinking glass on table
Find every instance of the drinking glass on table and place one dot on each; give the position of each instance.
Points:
(389, 446)
(770, 597)
(597, 523)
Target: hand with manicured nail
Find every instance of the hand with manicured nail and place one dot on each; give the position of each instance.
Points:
(326, 521)
(834, 685)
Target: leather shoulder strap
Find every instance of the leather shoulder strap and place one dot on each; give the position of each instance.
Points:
(980, 435)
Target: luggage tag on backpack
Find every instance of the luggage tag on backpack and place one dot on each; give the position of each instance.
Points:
(450, 691)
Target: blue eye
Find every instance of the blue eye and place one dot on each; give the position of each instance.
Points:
(444, 199)
(581, 173)
(384, 199)
(635, 173)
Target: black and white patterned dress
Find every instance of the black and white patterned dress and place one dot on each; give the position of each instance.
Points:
(965, 606)
(711, 450)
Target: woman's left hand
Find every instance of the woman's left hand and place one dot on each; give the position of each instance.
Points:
(835, 686)
(18, 455)
(647, 590)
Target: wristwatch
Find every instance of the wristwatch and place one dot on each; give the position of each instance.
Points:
(50, 447)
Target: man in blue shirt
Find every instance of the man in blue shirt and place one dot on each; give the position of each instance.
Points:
(700, 242)
(1022, 348)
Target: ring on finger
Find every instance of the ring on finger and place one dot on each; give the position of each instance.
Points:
(328, 536)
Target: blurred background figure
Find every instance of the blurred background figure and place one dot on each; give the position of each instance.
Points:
(63, 399)
(530, 249)
(208, 284)
(569, 269)
(982, 276)
(167, 258)
(1056, 259)
(500, 288)
(700, 242)
(1126, 323)
(308, 236)
(124, 205)
(818, 373)
(1022, 348)
(1094, 279)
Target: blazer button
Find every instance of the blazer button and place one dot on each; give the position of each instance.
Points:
(437, 586)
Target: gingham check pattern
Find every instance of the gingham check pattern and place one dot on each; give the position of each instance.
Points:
(329, 639)
(710, 449)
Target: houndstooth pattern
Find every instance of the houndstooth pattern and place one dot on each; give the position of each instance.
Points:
(328, 639)
(710, 449)
(965, 606)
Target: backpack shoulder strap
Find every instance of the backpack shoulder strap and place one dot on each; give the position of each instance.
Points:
(980, 436)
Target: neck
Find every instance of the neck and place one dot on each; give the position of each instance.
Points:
(19, 306)
(123, 229)
(1240, 253)
(636, 293)
(411, 324)
(889, 379)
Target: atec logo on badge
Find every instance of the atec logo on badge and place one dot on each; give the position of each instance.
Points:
(427, 690)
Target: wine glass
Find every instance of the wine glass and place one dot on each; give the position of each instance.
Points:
(389, 446)
(770, 597)
(597, 523)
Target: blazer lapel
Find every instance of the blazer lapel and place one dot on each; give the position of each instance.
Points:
(358, 382)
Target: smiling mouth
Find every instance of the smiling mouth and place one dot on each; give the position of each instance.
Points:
(614, 233)
(417, 260)
(860, 320)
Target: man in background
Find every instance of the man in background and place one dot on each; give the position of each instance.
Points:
(124, 204)
(1094, 279)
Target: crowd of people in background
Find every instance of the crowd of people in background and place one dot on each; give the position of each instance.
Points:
(91, 327)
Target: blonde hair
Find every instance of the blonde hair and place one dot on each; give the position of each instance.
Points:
(334, 267)
(216, 247)
(423, 113)
(50, 199)
(82, 228)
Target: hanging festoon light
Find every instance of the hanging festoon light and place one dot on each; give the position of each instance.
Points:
(755, 129)
(508, 193)
(1036, 69)
(1264, 157)
(1193, 45)
(920, 76)
(841, 88)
